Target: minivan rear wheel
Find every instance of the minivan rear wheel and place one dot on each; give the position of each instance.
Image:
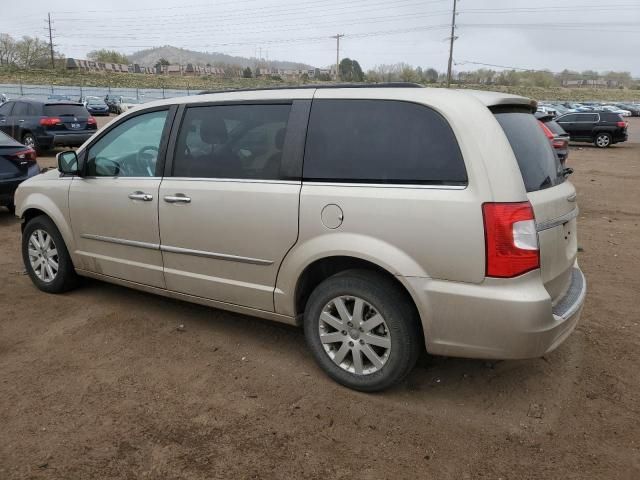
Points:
(603, 140)
(46, 257)
(362, 330)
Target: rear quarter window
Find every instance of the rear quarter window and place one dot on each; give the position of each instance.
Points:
(539, 165)
(381, 141)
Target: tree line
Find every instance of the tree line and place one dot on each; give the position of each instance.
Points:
(26, 52)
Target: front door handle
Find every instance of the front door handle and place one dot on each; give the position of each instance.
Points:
(145, 197)
(20, 121)
(177, 198)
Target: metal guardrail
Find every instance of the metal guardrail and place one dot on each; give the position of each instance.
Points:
(42, 92)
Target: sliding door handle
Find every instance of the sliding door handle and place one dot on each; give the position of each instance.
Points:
(177, 198)
(145, 197)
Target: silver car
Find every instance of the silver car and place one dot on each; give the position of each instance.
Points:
(385, 221)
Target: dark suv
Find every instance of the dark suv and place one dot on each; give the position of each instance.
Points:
(43, 125)
(600, 127)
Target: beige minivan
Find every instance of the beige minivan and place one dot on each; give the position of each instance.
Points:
(384, 219)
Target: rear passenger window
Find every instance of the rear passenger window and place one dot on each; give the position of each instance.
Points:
(381, 141)
(232, 141)
(588, 117)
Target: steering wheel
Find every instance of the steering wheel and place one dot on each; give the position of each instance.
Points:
(146, 161)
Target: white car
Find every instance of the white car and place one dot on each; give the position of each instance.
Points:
(127, 103)
(548, 110)
(614, 109)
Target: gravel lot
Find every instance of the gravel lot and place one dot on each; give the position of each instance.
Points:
(99, 383)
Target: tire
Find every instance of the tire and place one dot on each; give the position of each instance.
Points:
(65, 278)
(602, 140)
(29, 140)
(399, 330)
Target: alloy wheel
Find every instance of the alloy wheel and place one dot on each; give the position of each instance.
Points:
(602, 141)
(28, 141)
(43, 255)
(354, 335)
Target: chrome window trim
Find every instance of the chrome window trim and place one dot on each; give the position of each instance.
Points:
(232, 180)
(554, 222)
(386, 185)
(100, 177)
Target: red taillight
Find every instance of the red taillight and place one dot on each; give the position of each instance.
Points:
(28, 154)
(50, 121)
(559, 143)
(546, 130)
(92, 121)
(621, 124)
(511, 239)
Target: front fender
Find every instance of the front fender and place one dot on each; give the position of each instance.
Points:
(374, 250)
(54, 203)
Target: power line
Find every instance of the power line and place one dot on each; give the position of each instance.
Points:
(289, 40)
(195, 33)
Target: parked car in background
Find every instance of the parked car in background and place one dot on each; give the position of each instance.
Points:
(557, 136)
(561, 109)
(404, 228)
(578, 107)
(126, 103)
(547, 109)
(43, 125)
(95, 105)
(614, 109)
(630, 107)
(59, 98)
(603, 128)
(17, 163)
(111, 101)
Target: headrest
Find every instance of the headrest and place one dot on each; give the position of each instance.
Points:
(213, 130)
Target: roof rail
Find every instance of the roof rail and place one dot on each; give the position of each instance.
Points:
(321, 86)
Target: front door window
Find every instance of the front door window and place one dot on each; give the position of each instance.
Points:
(129, 150)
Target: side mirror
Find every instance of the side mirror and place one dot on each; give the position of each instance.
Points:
(68, 163)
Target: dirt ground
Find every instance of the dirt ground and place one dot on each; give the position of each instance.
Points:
(99, 383)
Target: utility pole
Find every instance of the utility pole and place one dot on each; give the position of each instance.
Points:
(337, 36)
(451, 40)
(53, 62)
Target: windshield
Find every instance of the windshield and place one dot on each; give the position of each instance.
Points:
(539, 164)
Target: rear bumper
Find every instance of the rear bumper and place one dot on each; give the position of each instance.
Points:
(498, 319)
(73, 139)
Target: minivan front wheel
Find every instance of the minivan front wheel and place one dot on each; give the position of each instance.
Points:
(603, 140)
(362, 331)
(46, 257)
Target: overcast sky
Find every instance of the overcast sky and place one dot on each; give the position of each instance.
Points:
(545, 34)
